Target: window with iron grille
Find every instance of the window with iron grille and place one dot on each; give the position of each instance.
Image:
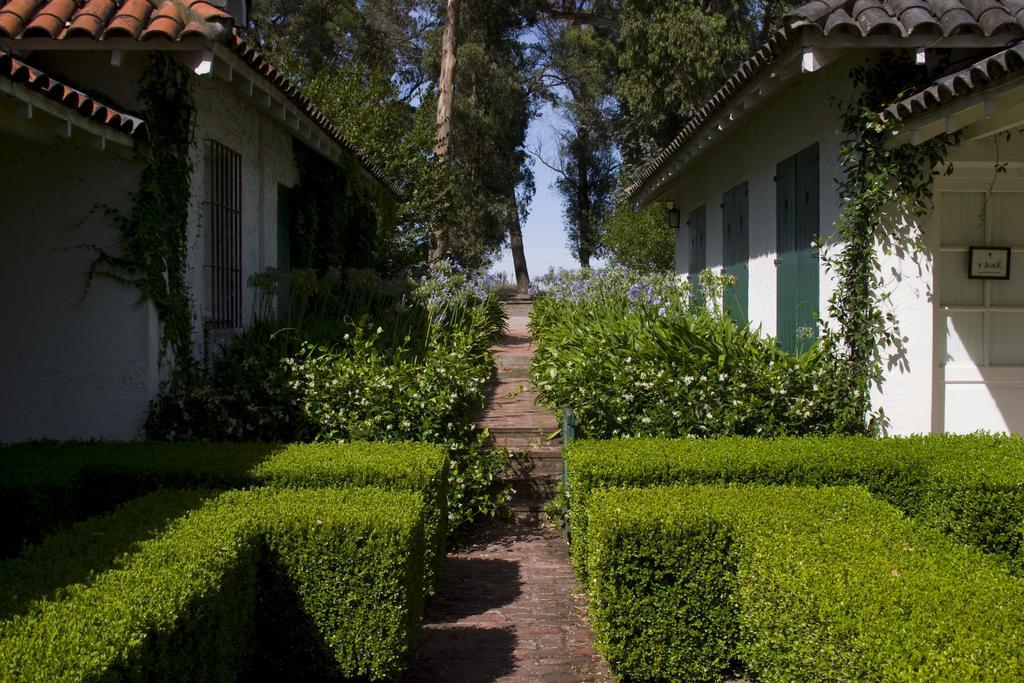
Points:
(224, 226)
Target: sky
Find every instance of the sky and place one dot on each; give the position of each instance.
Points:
(544, 238)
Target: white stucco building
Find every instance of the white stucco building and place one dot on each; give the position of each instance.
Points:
(78, 362)
(754, 176)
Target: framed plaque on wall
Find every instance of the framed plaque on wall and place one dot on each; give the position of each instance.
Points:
(989, 263)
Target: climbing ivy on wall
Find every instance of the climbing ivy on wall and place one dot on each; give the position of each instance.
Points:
(885, 189)
(153, 241)
(339, 218)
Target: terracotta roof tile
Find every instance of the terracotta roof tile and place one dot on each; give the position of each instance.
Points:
(907, 17)
(51, 19)
(90, 20)
(18, 71)
(104, 19)
(147, 20)
(958, 84)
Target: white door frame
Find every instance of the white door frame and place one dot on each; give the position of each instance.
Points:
(974, 177)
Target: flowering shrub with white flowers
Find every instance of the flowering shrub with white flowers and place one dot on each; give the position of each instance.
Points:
(418, 375)
(640, 355)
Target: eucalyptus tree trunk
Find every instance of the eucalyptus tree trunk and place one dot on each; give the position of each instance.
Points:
(515, 238)
(445, 98)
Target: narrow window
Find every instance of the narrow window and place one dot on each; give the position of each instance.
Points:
(224, 226)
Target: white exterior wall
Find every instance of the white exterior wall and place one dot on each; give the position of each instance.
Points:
(800, 116)
(913, 396)
(224, 116)
(77, 367)
(75, 363)
(795, 119)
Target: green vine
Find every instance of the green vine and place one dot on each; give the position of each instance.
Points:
(153, 242)
(885, 189)
(339, 218)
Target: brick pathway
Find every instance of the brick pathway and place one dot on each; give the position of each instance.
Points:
(509, 607)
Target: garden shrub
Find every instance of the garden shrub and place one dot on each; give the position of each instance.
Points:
(88, 548)
(781, 584)
(308, 584)
(637, 355)
(44, 486)
(970, 487)
(354, 358)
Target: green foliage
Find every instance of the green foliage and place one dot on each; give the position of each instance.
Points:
(673, 56)
(968, 487)
(636, 355)
(373, 114)
(580, 75)
(885, 190)
(153, 242)
(640, 241)
(698, 583)
(96, 545)
(340, 218)
(337, 374)
(46, 486)
(298, 583)
(421, 468)
(489, 181)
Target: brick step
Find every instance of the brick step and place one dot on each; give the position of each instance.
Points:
(518, 309)
(509, 415)
(519, 438)
(546, 471)
(511, 381)
(536, 467)
(501, 418)
(520, 373)
(550, 452)
(534, 488)
(507, 358)
(527, 465)
(521, 393)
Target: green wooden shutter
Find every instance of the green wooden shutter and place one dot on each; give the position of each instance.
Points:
(697, 226)
(284, 246)
(284, 229)
(736, 250)
(797, 264)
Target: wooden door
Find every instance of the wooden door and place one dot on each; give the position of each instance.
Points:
(736, 251)
(697, 225)
(797, 265)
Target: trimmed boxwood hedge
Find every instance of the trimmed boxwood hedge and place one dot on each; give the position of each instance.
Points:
(266, 583)
(971, 487)
(46, 486)
(89, 548)
(782, 583)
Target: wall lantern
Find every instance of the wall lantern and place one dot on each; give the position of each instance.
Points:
(674, 216)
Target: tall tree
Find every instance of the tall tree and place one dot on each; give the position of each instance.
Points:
(579, 76)
(445, 99)
(641, 241)
(490, 181)
(673, 55)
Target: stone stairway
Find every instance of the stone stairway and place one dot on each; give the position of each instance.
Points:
(508, 607)
(516, 422)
